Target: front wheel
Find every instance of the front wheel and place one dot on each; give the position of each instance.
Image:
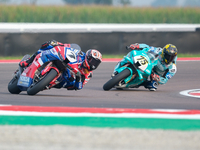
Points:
(115, 80)
(12, 86)
(40, 85)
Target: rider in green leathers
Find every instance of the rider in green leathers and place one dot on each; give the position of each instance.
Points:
(165, 68)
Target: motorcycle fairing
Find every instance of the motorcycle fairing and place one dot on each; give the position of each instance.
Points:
(24, 82)
(141, 62)
(27, 76)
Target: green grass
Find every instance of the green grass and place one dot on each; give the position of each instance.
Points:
(10, 57)
(97, 14)
(189, 55)
(104, 56)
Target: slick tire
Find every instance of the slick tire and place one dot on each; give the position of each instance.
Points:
(12, 86)
(115, 80)
(39, 86)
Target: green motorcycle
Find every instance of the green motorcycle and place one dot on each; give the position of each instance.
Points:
(132, 70)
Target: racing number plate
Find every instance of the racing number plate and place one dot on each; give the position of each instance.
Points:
(142, 61)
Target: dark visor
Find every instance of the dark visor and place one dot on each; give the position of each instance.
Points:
(169, 58)
(94, 64)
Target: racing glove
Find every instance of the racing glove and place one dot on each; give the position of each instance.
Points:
(154, 77)
(78, 85)
(134, 46)
(28, 61)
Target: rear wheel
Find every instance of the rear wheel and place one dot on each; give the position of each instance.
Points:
(115, 80)
(40, 85)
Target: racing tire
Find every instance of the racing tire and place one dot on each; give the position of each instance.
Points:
(115, 80)
(12, 86)
(39, 86)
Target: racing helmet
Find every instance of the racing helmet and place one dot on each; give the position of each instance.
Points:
(169, 53)
(92, 59)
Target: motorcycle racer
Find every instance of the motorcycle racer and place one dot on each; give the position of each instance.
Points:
(165, 68)
(81, 69)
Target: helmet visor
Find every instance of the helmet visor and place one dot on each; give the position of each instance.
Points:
(169, 58)
(93, 63)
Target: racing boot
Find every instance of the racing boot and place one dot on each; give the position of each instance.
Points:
(23, 63)
(151, 85)
(28, 61)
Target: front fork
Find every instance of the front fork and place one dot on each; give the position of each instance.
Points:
(47, 69)
(129, 78)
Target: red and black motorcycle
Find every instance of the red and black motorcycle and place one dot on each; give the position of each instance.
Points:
(39, 76)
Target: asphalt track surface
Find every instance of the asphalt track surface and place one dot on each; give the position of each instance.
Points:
(92, 95)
